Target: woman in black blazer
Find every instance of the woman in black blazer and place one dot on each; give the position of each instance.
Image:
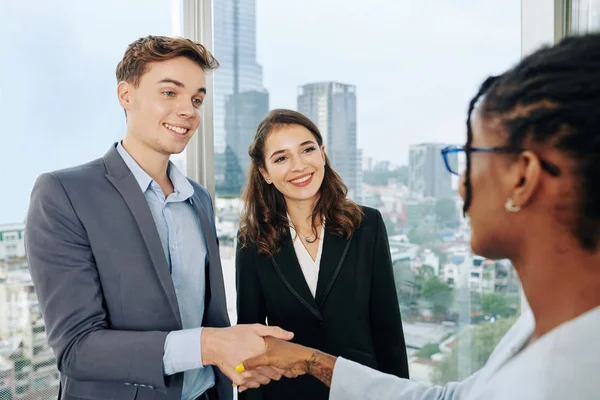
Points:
(312, 261)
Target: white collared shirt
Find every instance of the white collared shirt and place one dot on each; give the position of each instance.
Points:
(562, 364)
(310, 267)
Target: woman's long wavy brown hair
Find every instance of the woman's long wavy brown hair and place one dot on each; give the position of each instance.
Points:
(264, 217)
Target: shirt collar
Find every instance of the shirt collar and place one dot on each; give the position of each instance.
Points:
(180, 183)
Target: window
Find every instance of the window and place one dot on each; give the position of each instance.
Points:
(59, 107)
(11, 250)
(585, 16)
(60, 81)
(387, 83)
(10, 237)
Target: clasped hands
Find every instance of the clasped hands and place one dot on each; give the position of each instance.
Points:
(228, 348)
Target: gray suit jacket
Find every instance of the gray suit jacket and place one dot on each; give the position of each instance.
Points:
(103, 282)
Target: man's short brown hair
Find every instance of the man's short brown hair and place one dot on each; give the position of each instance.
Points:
(161, 48)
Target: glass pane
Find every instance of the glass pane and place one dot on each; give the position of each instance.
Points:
(388, 84)
(585, 16)
(59, 109)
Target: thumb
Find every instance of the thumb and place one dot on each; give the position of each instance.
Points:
(236, 378)
(273, 331)
(254, 362)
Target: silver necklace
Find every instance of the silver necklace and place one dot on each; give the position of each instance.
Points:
(309, 240)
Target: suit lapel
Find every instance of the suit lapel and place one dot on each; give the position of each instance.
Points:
(123, 180)
(335, 249)
(133, 196)
(288, 268)
(215, 287)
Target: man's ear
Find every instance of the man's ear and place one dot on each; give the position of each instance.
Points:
(125, 95)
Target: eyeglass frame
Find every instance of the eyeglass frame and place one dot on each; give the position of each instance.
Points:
(547, 166)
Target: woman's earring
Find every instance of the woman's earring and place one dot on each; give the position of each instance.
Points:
(511, 207)
(269, 181)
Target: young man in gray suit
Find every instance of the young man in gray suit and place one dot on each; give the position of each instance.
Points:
(124, 256)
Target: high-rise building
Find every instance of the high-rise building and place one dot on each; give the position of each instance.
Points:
(12, 242)
(332, 107)
(22, 329)
(367, 163)
(427, 174)
(238, 82)
(7, 379)
(359, 196)
(244, 112)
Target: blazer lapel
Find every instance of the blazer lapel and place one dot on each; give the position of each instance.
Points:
(215, 287)
(288, 268)
(335, 249)
(124, 181)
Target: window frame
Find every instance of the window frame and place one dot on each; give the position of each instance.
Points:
(197, 25)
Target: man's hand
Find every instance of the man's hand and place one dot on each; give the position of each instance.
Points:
(227, 347)
(292, 357)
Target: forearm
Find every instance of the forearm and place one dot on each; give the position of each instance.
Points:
(320, 365)
(113, 356)
(183, 351)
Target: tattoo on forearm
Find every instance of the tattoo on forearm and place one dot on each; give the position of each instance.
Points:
(320, 366)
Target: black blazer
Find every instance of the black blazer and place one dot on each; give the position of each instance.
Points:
(355, 312)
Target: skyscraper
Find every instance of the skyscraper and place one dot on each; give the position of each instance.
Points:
(427, 174)
(238, 83)
(332, 107)
(243, 113)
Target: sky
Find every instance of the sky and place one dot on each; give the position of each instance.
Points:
(415, 63)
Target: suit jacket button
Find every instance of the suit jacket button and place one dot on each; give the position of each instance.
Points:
(321, 324)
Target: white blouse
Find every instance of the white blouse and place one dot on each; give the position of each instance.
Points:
(563, 364)
(310, 267)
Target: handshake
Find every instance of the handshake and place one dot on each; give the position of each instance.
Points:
(253, 355)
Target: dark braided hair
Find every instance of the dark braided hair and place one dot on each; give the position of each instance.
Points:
(553, 97)
(482, 89)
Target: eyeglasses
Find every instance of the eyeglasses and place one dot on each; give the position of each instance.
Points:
(455, 158)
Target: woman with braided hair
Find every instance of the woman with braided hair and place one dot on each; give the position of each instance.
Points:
(531, 190)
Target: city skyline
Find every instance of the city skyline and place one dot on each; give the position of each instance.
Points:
(399, 79)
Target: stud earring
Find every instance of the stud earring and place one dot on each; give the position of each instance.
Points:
(511, 207)
(269, 181)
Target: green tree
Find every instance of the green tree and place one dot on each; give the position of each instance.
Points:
(472, 349)
(439, 294)
(422, 235)
(400, 174)
(404, 279)
(376, 178)
(426, 270)
(446, 214)
(382, 177)
(495, 304)
(428, 350)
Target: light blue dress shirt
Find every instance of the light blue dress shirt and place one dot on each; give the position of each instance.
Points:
(186, 253)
